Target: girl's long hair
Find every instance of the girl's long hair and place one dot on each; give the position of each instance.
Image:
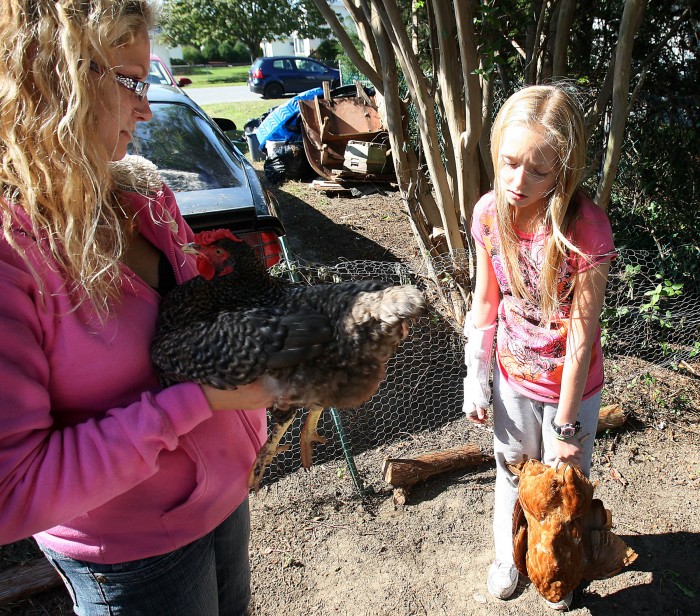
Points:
(53, 164)
(554, 113)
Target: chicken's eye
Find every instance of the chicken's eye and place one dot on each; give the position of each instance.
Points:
(219, 251)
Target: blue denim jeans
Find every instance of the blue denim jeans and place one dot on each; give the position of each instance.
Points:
(208, 577)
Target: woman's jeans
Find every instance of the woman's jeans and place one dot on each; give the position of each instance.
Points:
(208, 577)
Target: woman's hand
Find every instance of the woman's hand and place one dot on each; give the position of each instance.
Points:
(249, 397)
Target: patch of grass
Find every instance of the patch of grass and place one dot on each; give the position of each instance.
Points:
(205, 77)
(240, 113)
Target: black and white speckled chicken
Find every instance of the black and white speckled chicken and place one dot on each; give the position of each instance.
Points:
(315, 346)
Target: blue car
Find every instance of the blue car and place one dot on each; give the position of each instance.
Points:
(276, 76)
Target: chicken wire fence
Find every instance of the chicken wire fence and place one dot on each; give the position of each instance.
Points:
(645, 315)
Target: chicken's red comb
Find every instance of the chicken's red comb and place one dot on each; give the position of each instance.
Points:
(204, 238)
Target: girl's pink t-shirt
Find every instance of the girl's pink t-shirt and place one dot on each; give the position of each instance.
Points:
(531, 357)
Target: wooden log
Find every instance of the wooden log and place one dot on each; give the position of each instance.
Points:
(610, 417)
(24, 580)
(688, 368)
(405, 472)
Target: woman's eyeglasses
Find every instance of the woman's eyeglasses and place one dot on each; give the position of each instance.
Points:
(139, 88)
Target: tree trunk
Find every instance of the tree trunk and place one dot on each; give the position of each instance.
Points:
(561, 41)
(631, 20)
(442, 160)
(346, 42)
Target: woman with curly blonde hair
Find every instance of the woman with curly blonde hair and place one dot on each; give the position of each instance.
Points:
(136, 494)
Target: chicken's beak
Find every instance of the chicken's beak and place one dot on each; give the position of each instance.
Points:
(192, 248)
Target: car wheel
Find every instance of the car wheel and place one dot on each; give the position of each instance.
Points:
(273, 90)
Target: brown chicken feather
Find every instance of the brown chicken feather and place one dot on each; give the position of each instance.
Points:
(561, 534)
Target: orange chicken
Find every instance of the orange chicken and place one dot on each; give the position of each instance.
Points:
(561, 534)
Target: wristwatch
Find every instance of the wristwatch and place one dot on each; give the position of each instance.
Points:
(565, 431)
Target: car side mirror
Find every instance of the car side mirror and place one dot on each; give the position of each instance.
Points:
(225, 124)
(184, 81)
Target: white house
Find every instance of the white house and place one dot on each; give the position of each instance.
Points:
(163, 51)
(295, 46)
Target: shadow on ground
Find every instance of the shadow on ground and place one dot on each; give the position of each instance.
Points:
(670, 585)
(316, 238)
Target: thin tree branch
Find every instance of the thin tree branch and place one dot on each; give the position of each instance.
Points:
(362, 65)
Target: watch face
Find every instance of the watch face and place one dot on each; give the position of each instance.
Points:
(568, 431)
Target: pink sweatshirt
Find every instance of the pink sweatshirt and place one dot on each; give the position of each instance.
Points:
(96, 460)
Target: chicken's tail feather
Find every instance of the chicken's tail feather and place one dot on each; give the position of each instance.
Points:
(391, 306)
(610, 555)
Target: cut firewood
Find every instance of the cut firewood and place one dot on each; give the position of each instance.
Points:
(24, 580)
(684, 365)
(610, 417)
(406, 472)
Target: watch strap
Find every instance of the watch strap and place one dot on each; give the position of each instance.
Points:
(565, 431)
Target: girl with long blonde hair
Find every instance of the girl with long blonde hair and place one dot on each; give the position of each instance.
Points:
(543, 254)
(136, 494)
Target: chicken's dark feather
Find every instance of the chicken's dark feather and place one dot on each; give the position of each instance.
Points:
(318, 342)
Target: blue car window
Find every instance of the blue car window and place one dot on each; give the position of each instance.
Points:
(188, 152)
(310, 66)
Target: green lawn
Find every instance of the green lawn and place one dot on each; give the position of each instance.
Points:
(240, 113)
(204, 77)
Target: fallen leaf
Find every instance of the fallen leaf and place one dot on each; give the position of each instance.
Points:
(617, 476)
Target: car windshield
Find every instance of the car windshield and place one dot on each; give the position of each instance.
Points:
(157, 74)
(189, 154)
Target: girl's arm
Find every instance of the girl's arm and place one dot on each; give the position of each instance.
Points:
(589, 292)
(487, 294)
(480, 320)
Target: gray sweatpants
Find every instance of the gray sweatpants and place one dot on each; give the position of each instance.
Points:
(522, 426)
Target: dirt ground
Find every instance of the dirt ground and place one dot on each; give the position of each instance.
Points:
(318, 547)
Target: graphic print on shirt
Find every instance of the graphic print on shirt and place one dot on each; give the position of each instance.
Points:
(526, 350)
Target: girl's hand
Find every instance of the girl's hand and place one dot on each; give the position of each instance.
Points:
(475, 414)
(246, 397)
(569, 451)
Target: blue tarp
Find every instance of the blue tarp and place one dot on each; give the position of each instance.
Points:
(275, 126)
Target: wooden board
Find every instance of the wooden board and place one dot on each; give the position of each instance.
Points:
(24, 580)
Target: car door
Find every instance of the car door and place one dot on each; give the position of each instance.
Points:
(285, 71)
(312, 74)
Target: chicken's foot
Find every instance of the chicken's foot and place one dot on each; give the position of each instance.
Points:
(309, 435)
(271, 448)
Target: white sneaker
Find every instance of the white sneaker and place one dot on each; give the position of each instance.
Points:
(502, 579)
(563, 604)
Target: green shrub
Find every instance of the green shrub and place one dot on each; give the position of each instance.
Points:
(328, 52)
(211, 51)
(192, 55)
(234, 53)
